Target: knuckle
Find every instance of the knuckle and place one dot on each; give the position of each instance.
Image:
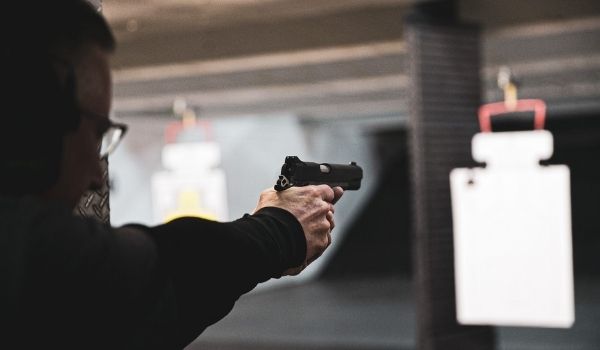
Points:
(324, 206)
(314, 191)
(330, 192)
(322, 245)
(306, 191)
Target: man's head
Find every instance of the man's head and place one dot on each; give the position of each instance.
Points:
(58, 98)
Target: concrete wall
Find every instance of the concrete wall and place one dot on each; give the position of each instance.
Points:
(253, 149)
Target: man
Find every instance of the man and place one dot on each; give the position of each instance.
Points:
(72, 283)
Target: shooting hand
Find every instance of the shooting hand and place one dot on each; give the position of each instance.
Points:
(313, 207)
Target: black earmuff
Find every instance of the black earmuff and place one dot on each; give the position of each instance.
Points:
(67, 108)
(40, 106)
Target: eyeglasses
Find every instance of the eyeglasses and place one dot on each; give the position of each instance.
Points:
(112, 136)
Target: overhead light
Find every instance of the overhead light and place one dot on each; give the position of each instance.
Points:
(132, 25)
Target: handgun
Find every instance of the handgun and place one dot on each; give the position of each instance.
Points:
(295, 172)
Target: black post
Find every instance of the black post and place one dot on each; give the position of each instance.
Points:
(445, 95)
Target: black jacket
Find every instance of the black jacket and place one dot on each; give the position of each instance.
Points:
(72, 283)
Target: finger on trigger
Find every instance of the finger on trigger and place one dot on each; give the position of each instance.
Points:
(337, 194)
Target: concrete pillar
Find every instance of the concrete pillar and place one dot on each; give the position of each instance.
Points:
(445, 94)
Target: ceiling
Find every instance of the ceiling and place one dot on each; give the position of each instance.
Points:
(315, 58)
(155, 15)
(232, 57)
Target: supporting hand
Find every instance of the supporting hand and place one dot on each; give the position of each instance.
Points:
(313, 206)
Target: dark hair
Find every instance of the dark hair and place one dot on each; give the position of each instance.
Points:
(41, 42)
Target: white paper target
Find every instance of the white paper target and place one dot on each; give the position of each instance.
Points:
(512, 234)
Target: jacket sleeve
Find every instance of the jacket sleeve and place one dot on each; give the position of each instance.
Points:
(206, 266)
(139, 287)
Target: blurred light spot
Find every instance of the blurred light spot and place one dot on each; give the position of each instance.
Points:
(132, 25)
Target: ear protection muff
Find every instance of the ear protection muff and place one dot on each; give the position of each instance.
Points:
(67, 106)
(42, 90)
(40, 107)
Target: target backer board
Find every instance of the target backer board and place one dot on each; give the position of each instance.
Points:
(512, 234)
(192, 184)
